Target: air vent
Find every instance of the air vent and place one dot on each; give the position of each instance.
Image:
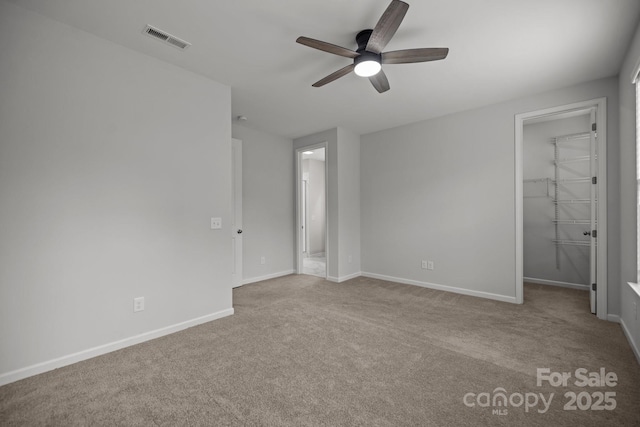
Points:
(166, 37)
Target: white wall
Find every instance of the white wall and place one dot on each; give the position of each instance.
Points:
(111, 165)
(349, 199)
(268, 206)
(628, 196)
(443, 190)
(539, 254)
(343, 188)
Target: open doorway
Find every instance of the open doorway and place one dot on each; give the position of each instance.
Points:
(557, 203)
(561, 200)
(312, 211)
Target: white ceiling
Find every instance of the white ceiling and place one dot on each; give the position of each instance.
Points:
(499, 50)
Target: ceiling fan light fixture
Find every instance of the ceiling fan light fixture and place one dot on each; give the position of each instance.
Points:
(368, 68)
(367, 64)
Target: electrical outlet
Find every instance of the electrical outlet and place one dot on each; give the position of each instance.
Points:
(263, 261)
(216, 223)
(424, 265)
(138, 304)
(429, 265)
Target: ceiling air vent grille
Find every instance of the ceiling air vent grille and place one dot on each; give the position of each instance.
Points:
(166, 37)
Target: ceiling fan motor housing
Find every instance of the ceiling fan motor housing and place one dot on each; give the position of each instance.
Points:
(362, 39)
(368, 56)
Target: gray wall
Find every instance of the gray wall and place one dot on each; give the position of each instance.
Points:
(317, 205)
(111, 165)
(627, 170)
(268, 207)
(349, 199)
(628, 199)
(539, 254)
(443, 190)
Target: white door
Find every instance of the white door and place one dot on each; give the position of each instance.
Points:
(236, 178)
(593, 257)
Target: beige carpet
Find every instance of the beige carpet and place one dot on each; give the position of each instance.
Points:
(304, 351)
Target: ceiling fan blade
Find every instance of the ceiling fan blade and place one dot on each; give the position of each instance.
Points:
(327, 47)
(408, 56)
(380, 82)
(334, 76)
(387, 26)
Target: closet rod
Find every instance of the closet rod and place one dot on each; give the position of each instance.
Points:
(573, 160)
(572, 221)
(572, 201)
(536, 180)
(573, 242)
(570, 137)
(583, 179)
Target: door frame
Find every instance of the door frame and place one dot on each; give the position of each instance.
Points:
(299, 236)
(600, 104)
(236, 211)
(304, 205)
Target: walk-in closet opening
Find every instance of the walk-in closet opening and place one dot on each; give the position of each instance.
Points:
(557, 201)
(312, 211)
(562, 217)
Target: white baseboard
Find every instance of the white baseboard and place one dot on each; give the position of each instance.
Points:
(578, 286)
(344, 278)
(70, 359)
(267, 277)
(350, 276)
(462, 291)
(632, 343)
(614, 318)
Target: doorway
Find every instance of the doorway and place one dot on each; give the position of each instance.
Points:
(312, 210)
(561, 199)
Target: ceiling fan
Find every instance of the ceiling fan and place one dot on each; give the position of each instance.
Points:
(368, 58)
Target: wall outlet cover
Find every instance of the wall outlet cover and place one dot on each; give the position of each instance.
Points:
(138, 304)
(216, 223)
